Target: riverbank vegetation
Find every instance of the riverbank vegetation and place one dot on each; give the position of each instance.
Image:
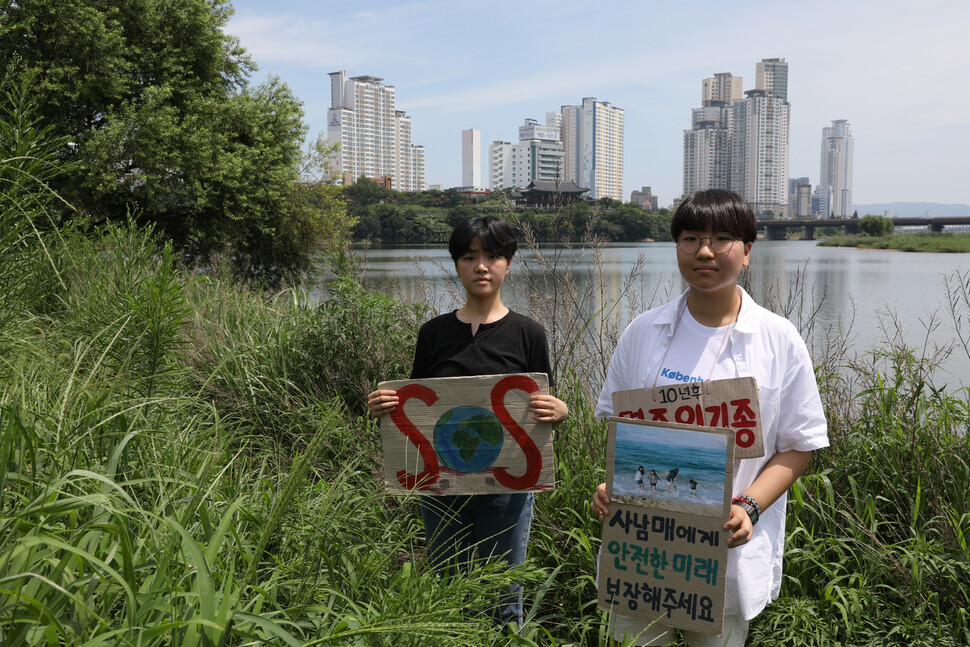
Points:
(905, 242)
(876, 232)
(187, 463)
(382, 215)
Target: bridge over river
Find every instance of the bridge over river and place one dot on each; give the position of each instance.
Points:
(778, 229)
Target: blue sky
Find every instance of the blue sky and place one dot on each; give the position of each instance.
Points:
(898, 71)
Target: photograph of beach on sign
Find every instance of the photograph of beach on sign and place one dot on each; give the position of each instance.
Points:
(671, 469)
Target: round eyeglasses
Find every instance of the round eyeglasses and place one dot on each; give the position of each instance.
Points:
(721, 243)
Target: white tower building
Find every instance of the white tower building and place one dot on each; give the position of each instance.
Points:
(374, 137)
(592, 134)
(707, 145)
(760, 141)
(537, 156)
(836, 168)
(471, 158)
(499, 159)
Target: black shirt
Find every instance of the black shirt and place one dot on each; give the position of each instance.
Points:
(513, 344)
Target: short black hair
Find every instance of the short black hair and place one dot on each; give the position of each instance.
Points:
(496, 236)
(715, 210)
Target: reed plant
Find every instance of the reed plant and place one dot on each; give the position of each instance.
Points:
(168, 483)
(877, 547)
(202, 489)
(877, 527)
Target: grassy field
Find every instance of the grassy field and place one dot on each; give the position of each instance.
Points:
(187, 463)
(910, 242)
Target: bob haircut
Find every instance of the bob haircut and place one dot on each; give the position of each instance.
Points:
(495, 234)
(715, 211)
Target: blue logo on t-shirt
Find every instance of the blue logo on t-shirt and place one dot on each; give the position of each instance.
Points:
(677, 376)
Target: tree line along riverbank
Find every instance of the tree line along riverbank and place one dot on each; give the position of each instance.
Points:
(384, 216)
(906, 242)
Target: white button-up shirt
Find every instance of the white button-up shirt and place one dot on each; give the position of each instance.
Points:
(769, 348)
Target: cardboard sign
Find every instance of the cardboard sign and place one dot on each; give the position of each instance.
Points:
(467, 435)
(664, 551)
(732, 404)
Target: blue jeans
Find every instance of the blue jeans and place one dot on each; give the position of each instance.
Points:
(497, 525)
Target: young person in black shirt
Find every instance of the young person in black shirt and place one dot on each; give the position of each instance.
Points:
(483, 337)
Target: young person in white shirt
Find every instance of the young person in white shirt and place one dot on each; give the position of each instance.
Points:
(715, 330)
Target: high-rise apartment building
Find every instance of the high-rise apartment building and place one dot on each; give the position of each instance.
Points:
(723, 87)
(471, 158)
(740, 141)
(836, 169)
(761, 135)
(759, 165)
(707, 145)
(499, 158)
(771, 75)
(374, 136)
(822, 201)
(592, 134)
(538, 156)
(799, 197)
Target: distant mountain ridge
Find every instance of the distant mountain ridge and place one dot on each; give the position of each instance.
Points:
(914, 209)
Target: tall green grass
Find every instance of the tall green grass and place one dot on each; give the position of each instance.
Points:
(188, 464)
(947, 243)
(173, 477)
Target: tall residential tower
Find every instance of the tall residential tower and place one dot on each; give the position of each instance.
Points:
(592, 134)
(374, 136)
(741, 143)
(760, 147)
(707, 145)
(836, 170)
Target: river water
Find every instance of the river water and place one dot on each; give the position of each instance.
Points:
(864, 298)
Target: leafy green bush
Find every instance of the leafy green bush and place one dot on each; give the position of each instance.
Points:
(165, 516)
(352, 340)
(878, 547)
(875, 226)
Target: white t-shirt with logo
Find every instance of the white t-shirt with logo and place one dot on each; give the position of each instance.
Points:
(696, 354)
(762, 345)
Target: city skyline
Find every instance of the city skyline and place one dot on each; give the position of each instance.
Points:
(889, 69)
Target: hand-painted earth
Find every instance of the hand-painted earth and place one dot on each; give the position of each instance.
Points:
(468, 439)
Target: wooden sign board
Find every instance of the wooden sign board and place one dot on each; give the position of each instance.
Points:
(732, 404)
(664, 550)
(467, 435)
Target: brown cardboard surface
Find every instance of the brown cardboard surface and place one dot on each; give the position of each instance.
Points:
(467, 435)
(731, 404)
(664, 556)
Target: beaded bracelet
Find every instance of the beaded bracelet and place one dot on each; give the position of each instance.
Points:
(749, 505)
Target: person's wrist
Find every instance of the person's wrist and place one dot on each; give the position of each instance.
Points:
(749, 505)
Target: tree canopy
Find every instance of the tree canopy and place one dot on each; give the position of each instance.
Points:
(154, 98)
(871, 225)
(387, 216)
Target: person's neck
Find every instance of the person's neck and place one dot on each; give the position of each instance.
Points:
(714, 309)
(479, 311)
